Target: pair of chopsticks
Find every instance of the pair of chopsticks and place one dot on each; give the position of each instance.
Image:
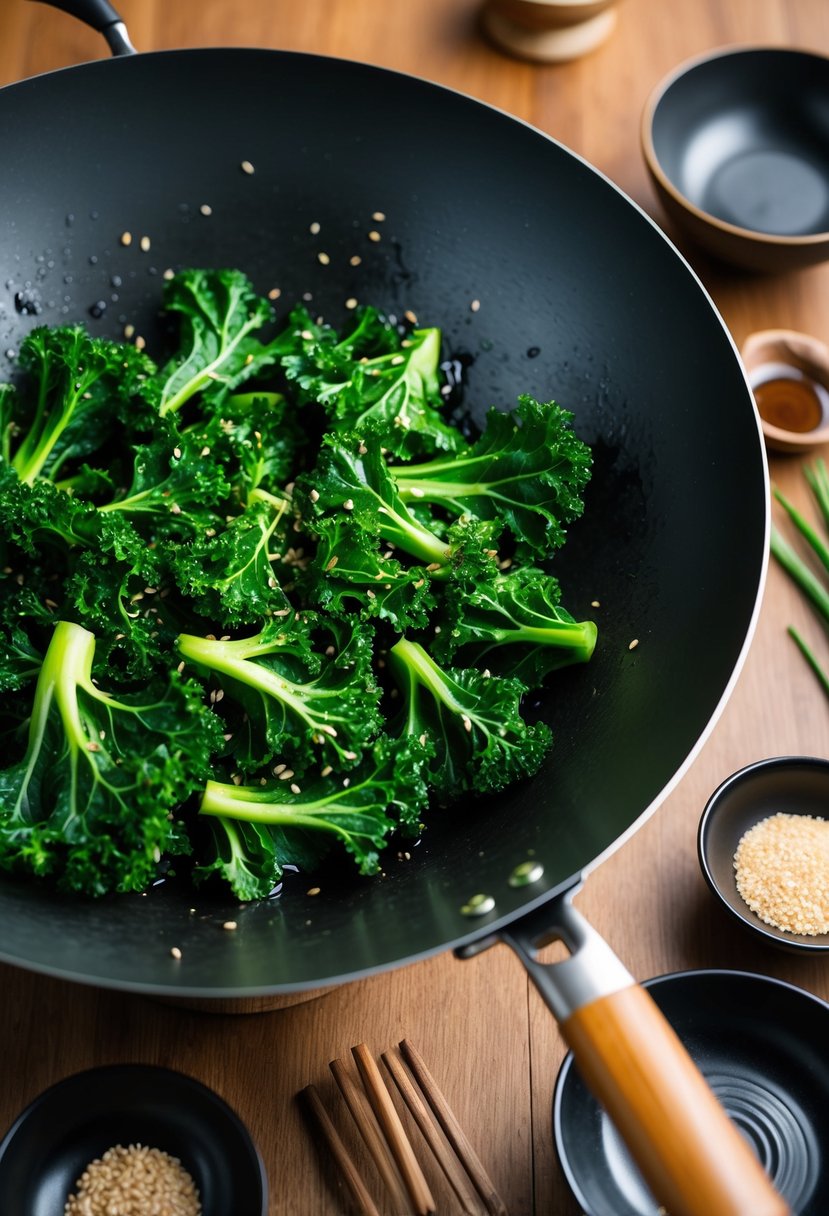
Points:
(374, 1112)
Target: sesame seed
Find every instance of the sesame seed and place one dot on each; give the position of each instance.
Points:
(314, 496)
(332, 563)
(348, 505)
(286, 774)
(177, 453)
(351, 302)
(140, 343)
(410, 316)
(374, 235)
(274, 293)
(313, 891)
(379, 216)
(247, 167)
(314, 228)
(327, 771)
(176, 952)
(323, 259)
(781, 868)
(632, 645)
(467, 724)
(206, 209)
(475, 305)
(595, 604)
(295, 789)
(230, 925)
(126, 239)
(168, 274)
(145, 244)
(355, 260)
(134, 1179)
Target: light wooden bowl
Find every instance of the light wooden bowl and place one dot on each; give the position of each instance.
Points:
(548, 31)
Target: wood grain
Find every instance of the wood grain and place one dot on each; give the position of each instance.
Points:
(487, 1037)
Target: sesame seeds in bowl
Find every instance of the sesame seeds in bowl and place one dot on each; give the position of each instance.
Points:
(763, 846)
(144, 1138)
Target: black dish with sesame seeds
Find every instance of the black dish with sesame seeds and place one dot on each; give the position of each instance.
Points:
(267, 594)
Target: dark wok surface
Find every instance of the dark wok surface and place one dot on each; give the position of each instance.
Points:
(478, 206)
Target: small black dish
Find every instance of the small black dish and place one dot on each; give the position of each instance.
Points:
(761, 1045)
(75, 1121)
(796, 785)
(737, 146)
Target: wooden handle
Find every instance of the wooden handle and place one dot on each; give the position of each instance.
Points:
(690, 1153)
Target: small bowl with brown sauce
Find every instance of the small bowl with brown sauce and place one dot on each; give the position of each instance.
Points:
(789, 376)
(763, 845)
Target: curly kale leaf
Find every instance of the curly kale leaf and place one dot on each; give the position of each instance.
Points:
(305, 685)
(75, 389)
(471, 719)
(528, 468)
(515, 624)
(91, 802)
(374, 379)
(218, 348)
(258, 829)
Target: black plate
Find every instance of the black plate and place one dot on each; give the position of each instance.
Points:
(797, 785)
(69, 1125)
(761, 1044)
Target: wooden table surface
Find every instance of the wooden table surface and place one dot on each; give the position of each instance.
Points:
(483, 1031)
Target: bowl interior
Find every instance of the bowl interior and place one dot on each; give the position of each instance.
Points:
(760, 1043)
(792, 785)
(74, 1122)
(744, 136)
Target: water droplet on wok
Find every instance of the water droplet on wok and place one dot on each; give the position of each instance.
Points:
(533, 352)
(98, 309)
(27, 303)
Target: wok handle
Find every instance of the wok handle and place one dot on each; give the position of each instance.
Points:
(692, 1156)
(102, 17)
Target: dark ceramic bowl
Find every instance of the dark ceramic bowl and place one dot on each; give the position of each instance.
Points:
(761, 1045)
(737, 146)
(796, 785)
(75, 1121)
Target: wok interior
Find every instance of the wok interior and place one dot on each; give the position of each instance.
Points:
(672, 542)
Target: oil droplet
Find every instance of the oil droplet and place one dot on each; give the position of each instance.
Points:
(526, 873)
(478, 905)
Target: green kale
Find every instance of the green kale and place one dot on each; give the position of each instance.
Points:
(528, 469)
(257, 827)
(471, 719)
(514, 623)
(305, 685)
(91, 803)
(374, 380)
(218, 347)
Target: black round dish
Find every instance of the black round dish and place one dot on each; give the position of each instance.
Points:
(736, 143)
(796, 785)
(761, 1044)
(70, 1124)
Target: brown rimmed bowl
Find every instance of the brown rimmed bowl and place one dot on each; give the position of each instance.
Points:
(736, 143)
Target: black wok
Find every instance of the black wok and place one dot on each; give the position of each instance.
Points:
(481, 207)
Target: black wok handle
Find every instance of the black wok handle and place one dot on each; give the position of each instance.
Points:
(102, 17)
(692, 1156)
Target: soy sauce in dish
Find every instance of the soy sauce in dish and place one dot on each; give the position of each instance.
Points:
(789, 399)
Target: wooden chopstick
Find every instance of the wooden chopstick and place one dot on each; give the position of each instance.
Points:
(457, 1178)
(493, 1203)
(350, 1175)
(378, 1095)
(357, 1103)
